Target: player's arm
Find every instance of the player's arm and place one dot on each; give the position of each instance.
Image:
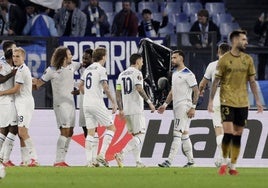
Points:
(12, 90)
(254, 89)
(81, 87)
(145, 97)
(202, 86)
(119, 97)
(107, 91)
(37, 83)
(119, 100)
(6, 77)
(196, 92)
(168, 100)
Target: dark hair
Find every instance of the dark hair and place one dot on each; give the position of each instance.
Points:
(203, 12)
(180, 52)
(146, 11)
(224, 47)
(76, 2)
(88, 51)
(133, 58)
(8, 54)
(98, 54)
(236, 33)
(7, 44)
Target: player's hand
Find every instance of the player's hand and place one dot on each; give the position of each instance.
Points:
(210, 106)
(114, 108)
(14, 72)
(259, 107)
(191, 113)
(161, 109)
(152, 107)
(75, 92)
(121, 114)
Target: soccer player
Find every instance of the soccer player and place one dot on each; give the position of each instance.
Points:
(216, 115)
(234, 71)
(8, 118)
(184, 93)
(61, 72)
(90, 155)
(130, 97)
(93, 83)
(24, 103)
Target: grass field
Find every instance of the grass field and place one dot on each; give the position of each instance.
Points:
(46, 177)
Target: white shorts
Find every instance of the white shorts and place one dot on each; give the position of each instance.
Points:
(181, 120)
(216, 115)
(135, 123)
(95, 115)
(25, 112)
(8, 115)
(65, 115)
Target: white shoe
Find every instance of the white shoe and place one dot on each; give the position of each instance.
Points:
(119, 159)
(140, 165)
(218, 162)
(101, 160)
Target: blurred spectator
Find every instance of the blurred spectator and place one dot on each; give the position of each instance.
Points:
(125, 22)
(261, 29)
(149, 27)
(70, 20)
(202, 39)
(13, 18)
(41, 24)
(203, 25)
(97, 22)
(30, 9)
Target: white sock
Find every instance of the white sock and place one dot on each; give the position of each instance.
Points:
(31, 149)
(60, 151)
(24, 155)
(88, 147)
(2, 139)
(218, 141)
(174, 148)
(66, 147)
(108, 136)
(187, 147)
(8, 146)
(131, 145)
(95, 147)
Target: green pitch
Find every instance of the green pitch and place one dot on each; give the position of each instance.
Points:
(83, 177)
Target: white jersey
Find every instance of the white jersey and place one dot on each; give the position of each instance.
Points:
(210, 75)
(5, 70)
(93, 91)
(182, 83)
(210, 71)
(62, 82)
(24, 77)
(133, 103)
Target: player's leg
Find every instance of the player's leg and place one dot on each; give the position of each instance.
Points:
(241, 115)
(228, 114)
(104, 117)
(176, 143)
(135, 125)
(8, 145)
(95, 149)
(12, 132)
